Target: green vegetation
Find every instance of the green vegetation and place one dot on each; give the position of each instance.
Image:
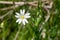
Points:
(44, 23)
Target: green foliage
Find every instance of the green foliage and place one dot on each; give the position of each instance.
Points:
(32, 30)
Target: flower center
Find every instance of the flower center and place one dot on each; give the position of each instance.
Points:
(22, 17)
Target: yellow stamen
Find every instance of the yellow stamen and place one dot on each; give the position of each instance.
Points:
(22, 17)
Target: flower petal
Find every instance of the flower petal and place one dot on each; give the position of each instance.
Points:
(25, 20)
(17, 20)
(17, 14)
(22, 12)
(27, 14)
(20, 21)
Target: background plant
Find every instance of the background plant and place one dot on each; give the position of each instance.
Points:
(44, 21)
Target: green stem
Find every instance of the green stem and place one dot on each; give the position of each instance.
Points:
(3, 38)
(17, 33)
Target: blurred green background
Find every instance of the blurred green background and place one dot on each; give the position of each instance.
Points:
(36, 25)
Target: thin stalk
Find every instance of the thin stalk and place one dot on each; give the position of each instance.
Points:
(17, 32)
(2, 25)
(3, 38)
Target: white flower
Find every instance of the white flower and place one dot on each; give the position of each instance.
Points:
(22, 17)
